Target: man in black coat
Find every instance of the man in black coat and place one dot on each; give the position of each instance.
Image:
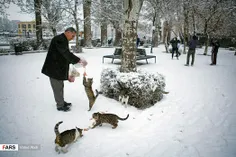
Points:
(56, 65)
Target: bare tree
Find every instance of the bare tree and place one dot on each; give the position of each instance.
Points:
(153, 15)
(211, 15)
(131, 12)
(71, 8)
(109, 13)
(38, 21)
(87, 23)
(52, 11)
(103, 23)
(4, 4)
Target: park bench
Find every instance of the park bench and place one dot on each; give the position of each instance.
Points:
(140, 55)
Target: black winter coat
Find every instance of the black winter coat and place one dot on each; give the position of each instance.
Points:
(58, 58)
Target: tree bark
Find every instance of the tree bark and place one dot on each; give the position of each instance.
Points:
(186, 26)
(104, 34)
(156, 31)
(206, 37)
(87, 23)
(103, 24)
(38, 19)
(77, 43)
(118, 37)
(166, 34)
(128, 62)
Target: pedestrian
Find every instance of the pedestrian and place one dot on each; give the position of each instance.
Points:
(214, 51)
(174, 43)
(137, 41)
(234, 41)
(192, 50)
(56, 66)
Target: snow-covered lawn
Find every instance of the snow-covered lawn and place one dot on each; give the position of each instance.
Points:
(196, 119)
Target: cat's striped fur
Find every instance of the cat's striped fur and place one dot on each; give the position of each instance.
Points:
(65, 138)
(89, 91)
(107, 118)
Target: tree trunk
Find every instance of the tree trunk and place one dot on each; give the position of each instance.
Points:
(169, 27)
(194, 23)
(104, 34)
(77, 43)
(206, 37)
(103, 24)
(156, 31)
(38, 19)
(54, 31)
(87, 23)
(118, 37)
(164, 32)
(128, 62)
(206, 45)
(166, 35)
(186, 26)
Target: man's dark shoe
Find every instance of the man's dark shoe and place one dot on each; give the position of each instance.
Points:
(186, 65)
(67, 104)
(64, 108)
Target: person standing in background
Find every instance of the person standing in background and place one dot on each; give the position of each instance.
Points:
(174, 43)
(192, 50)
(214, 51)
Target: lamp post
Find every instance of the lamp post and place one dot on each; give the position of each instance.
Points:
(153, 31)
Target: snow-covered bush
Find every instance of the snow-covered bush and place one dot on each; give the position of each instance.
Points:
(143, 88)
(29, 44)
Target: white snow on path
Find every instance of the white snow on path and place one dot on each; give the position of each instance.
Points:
(196, 119)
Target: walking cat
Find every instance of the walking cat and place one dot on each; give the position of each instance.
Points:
(106, 118)
(89, 91)
(65, 138)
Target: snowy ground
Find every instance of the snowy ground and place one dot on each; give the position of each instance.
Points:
(196, 119)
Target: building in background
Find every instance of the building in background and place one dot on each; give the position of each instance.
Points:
(27, 28)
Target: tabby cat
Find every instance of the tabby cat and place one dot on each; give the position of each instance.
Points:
(89, 91)
(65, 138)
(106, 118)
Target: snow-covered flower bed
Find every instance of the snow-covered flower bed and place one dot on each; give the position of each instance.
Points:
(143, 88)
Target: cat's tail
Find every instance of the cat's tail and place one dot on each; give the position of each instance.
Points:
(123, 118)
(164, 92)
(56, 128)
(97, 93)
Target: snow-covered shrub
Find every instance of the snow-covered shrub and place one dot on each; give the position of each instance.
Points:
(143, 88)
(29, 44)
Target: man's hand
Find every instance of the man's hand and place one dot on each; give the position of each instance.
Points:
(71, 79)
(83, 62)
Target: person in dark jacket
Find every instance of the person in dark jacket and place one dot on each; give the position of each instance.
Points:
(214, 51)
(56, 65)
(191, 51)
(137, 41)
(174, 43)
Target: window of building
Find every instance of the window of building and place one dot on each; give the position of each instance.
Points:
(18, 25)
(34, 26)
(23, 25)
(29, 25)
